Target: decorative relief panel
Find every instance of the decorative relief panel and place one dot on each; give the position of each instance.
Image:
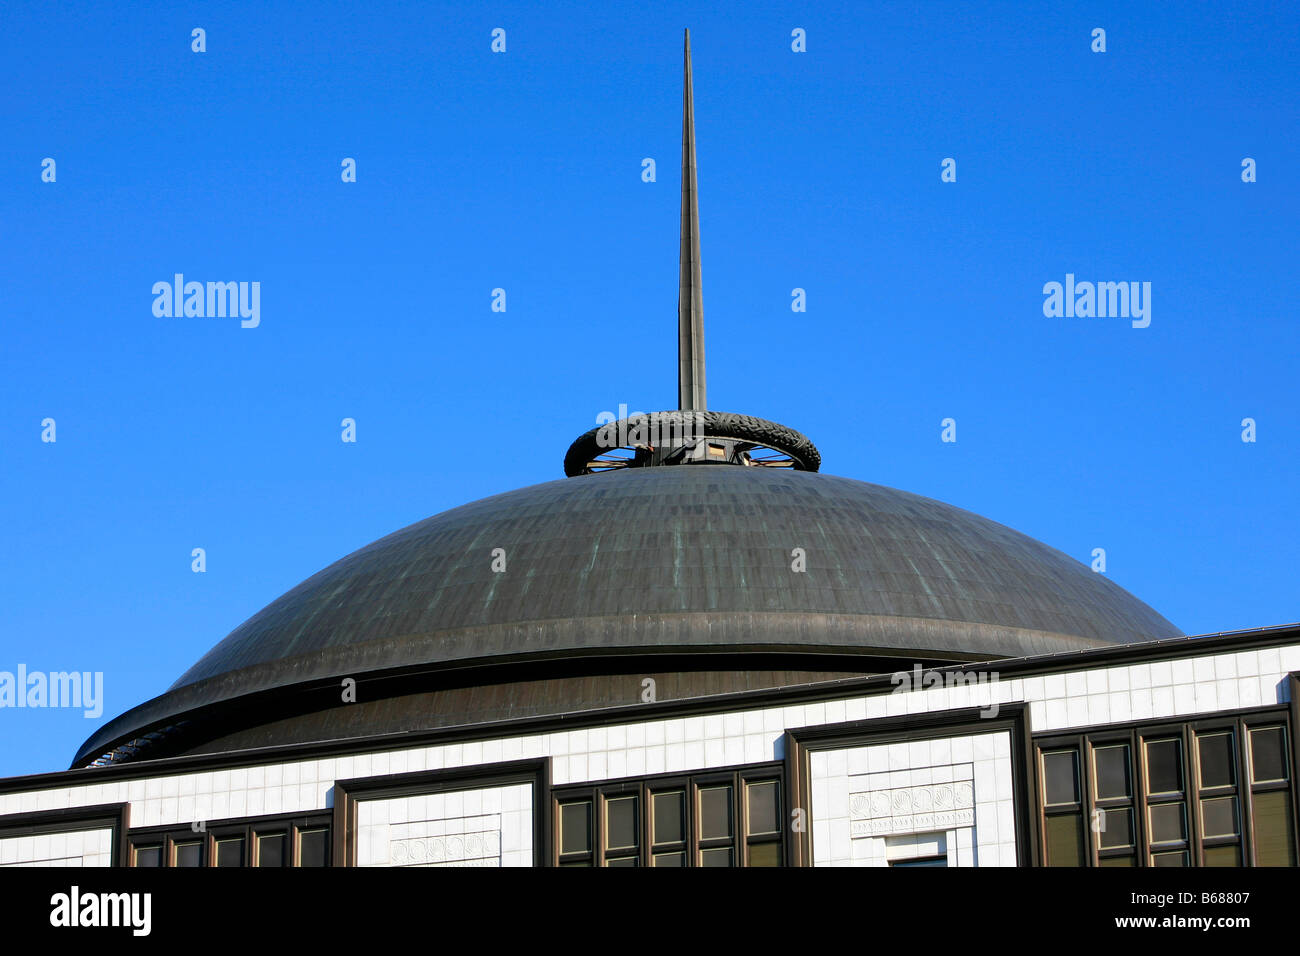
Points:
(469, 842)
(914, 809)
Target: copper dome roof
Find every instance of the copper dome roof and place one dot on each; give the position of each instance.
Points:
(658, 561)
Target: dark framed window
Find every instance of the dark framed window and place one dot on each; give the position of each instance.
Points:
(1114, 806)
(1208, 792)
(296, 840)
(1165, 800)
(732, 817)
(1063, 806)
(922, 861)
(1271, 796)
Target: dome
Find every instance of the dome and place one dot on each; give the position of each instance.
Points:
(619, 573)
(741, 567)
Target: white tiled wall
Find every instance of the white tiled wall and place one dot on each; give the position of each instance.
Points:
(487, 827)
(1117, 693)
(864, 798)
(71, 848)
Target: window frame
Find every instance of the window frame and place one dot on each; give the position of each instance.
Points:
(168, 837)
(1189, 732)
(105, 816)
(691, 785)
(536, 772)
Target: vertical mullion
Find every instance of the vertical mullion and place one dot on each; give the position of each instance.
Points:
(1087, 800)
(1040, 802)
(692, 829)
(1292, 752)
(598, 827)
(1133, 799)
(739, 828)
(1245, 795)
(1192, 795)
(647, 823)
(1142, 795)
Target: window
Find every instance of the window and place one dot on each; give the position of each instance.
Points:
(299, 841)
(1166, 802)
(1214, 792)
(1063, 808)
(1113, 804)
(917, 849)
(1273, 839)
(730, 818)
(271, 849)
(668, 828)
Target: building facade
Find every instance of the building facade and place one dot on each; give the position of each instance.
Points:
(1171, 753)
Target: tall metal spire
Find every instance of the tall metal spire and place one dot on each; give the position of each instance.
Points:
(690, 302)
(699, 437)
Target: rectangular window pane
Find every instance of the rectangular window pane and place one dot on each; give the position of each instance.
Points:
(1116, 828)
(1223, 855)
(624, 861)
(923, 861)
(148, 856)
(1178, 858)
(1268, 754)
(270, 849)
(765, 854)
(189, 854)
(1061, 777)
(1218, 765)
(1165, 765)
(1065, 840)
(669, 817)
(670, 859)
(1118, 861)
(230, 851)
(715, 814)
(764, 807)
(1274, 835)
(314, 847)
(575, 827)
(1167, 823)
(1219, 817)
(718, 857)
(621, 823)
(1112, 771)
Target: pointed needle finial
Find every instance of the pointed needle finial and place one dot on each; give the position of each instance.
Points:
(690, 303)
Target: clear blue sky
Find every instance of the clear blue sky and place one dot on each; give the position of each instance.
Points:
(522, 170)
